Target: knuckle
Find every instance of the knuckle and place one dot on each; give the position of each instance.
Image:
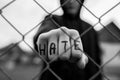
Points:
(63, 27)
(53, 32)
(42, 37)
(74, 32)
(64, 30)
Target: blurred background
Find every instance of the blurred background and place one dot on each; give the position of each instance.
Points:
(20, 19)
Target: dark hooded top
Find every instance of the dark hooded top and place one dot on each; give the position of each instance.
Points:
(65, 69)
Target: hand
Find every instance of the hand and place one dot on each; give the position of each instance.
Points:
(61, 43)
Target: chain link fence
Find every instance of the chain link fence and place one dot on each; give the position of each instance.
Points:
(23, 37)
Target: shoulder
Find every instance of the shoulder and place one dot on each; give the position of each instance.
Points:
(86, 26)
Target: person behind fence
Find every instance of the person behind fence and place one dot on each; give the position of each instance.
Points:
(58, 41)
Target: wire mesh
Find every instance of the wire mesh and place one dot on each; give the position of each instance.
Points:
(58, 26)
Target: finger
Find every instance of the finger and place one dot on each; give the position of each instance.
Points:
(53, 44)
(83, 61)
(76, 43)
(42, 45)
(77, 48)
(64, 43)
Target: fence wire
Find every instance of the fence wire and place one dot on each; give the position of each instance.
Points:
(58, 26)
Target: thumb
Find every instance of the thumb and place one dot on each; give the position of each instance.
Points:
(83, 61)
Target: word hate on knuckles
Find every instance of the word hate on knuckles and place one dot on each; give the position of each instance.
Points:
(53, 48)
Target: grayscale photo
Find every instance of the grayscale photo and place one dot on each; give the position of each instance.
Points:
(59, 40)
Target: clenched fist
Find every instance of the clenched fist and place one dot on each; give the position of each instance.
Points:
(61, 43)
